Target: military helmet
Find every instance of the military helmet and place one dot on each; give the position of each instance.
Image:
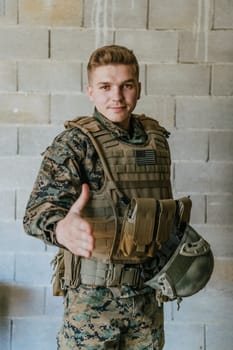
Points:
(188, 270)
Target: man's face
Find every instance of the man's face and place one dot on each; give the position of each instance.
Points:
(114, 89)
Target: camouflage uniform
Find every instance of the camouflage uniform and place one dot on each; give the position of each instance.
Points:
(94, 317)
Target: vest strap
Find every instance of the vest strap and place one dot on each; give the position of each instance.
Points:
(97, 273)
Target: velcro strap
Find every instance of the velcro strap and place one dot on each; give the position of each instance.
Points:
(185, 205)
(144, 222)
(167, 211)
(72, 266)
(93, 272)
(96, 273)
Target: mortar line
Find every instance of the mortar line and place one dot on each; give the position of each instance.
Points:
(17, 76)
(208, 148)
(83, 13)
(17, 141)
(175, 110)
(49, 108)
(210, 80)
(82, 77)
(146, 80)
(148, 14)
(204, 336)
(15, 205)
(11, 333)
(49, 43)
(205, 209)
(17, 11)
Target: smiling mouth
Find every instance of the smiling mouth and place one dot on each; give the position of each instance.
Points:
(117, 107)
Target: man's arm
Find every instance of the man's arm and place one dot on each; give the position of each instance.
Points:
(53, 212)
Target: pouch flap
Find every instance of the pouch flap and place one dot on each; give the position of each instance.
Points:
(144, 210)
(167, 211)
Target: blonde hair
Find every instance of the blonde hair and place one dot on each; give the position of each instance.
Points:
(112, 54)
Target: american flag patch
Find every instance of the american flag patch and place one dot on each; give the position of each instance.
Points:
(146, 157)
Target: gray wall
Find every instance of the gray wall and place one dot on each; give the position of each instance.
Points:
(185, 49)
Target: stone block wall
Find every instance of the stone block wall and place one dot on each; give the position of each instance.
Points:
(185, 51)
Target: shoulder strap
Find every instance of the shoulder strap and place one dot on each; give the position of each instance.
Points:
(152, 124)
(89, 126)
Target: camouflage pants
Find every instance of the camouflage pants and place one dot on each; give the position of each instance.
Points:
(95, 319)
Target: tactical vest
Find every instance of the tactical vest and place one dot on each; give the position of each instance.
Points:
(136, 176)
(142, 235)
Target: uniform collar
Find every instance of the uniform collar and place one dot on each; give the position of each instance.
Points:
(136, 134)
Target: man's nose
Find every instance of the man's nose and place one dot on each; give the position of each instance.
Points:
(117, 94)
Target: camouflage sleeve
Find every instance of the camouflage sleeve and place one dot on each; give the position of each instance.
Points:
(57, 185)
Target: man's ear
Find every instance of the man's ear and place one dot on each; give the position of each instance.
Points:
(139, 90)
(90, 92)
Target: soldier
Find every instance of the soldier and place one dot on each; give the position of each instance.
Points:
(97, 172)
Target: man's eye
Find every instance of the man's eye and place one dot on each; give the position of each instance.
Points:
(128, 86)
(104, 87)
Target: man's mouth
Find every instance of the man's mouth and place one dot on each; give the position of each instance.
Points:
(117, 107)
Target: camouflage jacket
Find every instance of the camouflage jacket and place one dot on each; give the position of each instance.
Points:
(67, 163)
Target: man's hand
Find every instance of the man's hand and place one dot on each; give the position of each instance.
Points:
(74, 232)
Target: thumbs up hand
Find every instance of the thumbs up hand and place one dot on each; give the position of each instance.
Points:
(74, 232)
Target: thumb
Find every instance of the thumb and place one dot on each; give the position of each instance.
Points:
(82, 200)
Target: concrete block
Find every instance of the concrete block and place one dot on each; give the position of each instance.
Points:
(38, 272)
(68, 106)
(34, 140)
(219, 209)
(7, 263)
(177, 14)
(194, 47)
(24, 108)
(53, 304)
(220, 47)
(18, 42)
(14, 239)
(222, 278)
(161, 108)
(155, 46)
(223, 16)
(72, 43)
(21, 301)
(205, 307)
(51, 13)
(5, 333)
(214, 46)
(189, 145)
(221, 145)
(220, 238)
(198, 212)
(167, 312)
(51, 249)
(35, 333)
(111, 14)
(7, 76)
(49, 76)
(204, 112)
(203, 177)
(183, 336)
(178, 79)
(219, 335)
(18, 171)
(22, 196)
(8, 13)
(8, 140)
(222, 80)
(7, 204)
